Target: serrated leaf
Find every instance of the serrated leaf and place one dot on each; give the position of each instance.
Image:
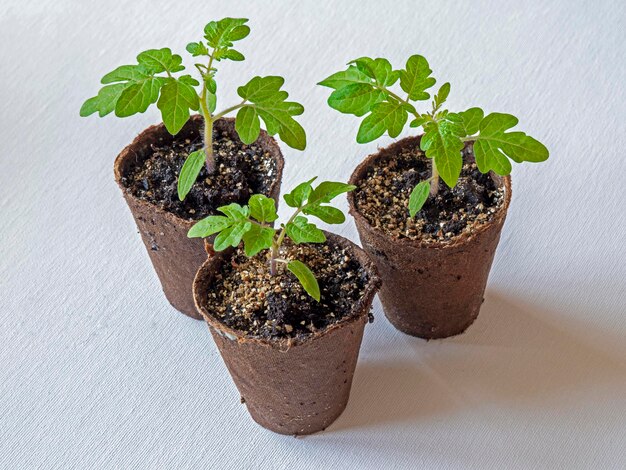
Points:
(442, 95)
(417, 122)
(208, 226)
(328, 214)
(161, 60)
(327, 191)
(418, 197)
(177, 98)
(104, 103)
(357, 98)
(136, 97)
(232, 235)
(440, 143)
(493, 145)
(235, 211)
(306, 278)
(289, 130)
(224, 32)
(197, 49)
(293, 108)
(257, 239)
(124, 73)
(301, 231)
(248, 124)
(379, 69)
(300, 193)
(415, 79)
(470, 121)
(189, 172)
(345, 77)
(390, 116)
(263, 208)
(189, 80)
(260, 89)
(232, 54)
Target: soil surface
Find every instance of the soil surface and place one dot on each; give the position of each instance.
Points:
(242, 170)
(247, 298)
(382, 197)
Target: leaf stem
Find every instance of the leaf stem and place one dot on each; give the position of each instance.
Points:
(276, 244)
(228, 110)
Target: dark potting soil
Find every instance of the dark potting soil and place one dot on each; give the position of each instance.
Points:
(242, 170)
(247, 298)
(382, 197)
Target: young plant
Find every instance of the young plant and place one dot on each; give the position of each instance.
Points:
(131, 89)
(250, 223)
(365, 87)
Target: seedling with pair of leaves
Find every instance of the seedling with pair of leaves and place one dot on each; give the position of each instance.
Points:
(131, 89)
(365, 89)
(251, 223)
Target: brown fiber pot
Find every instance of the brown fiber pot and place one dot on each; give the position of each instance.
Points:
(289, 386)
(430, 289)
(175, 257)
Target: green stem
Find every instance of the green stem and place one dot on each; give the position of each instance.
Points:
(223, 113)
(279, 241)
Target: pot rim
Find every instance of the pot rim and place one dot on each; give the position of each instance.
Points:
(393, 149)
(360, 309)
(129, 151)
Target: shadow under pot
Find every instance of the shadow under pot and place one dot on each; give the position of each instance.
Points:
(147, 172)
(291, 358)
(435, 266)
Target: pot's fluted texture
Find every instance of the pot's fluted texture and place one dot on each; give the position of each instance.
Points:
(293, 387)
(175, 257)
(430, 289)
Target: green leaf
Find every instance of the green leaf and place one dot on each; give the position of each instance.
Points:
(442, 144)
(197, 49)
(346, 77)
(231, 236)
(104, 103)
(189, 172)
(306, 278)
(415, 79)
(136, 98)
(260, 89)
(208, 226)
(223, 33)
(418, 197)
(257, 239)
(470, 121)
(301, 231)
(493, 145)
(357, 98)
(127, 73)
(177, 98)
(328, 214)
(263, 208)
(378, 69)
(232, 54)
(327, 191)
(442, 95)
(235, 211)
(293, 108)
(299, 194)
(390, 116)
(289, 130)
(161, 60)
(418, 122)
(248, 124)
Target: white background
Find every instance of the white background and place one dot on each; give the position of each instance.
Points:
(97, 370)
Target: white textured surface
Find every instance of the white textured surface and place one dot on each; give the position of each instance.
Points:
(97, 370)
